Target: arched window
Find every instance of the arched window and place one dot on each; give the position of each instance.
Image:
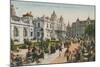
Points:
(16, 32)
(38, 24)
(25, 32)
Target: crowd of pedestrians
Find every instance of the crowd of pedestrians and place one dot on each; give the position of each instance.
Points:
(84, 53)
(34, 55)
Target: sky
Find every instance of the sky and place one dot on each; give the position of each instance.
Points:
(70, 12)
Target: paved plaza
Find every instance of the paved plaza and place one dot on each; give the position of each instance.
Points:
(50, 58)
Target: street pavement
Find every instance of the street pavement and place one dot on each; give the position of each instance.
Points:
(51, 58)
(62, 59)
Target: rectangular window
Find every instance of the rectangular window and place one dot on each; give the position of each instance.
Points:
(31, 33)
(50, 26)
(38, 34)
(47, 25)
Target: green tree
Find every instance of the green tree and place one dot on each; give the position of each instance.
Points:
(90, 30)
(12, 44)
(27, 42)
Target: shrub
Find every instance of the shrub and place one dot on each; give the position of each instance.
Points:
(13, 47)
(27, 42)
(23, 46)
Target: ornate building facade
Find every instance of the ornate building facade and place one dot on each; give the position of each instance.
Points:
(49, 27)
(77, 29)
(21, 27)
(29, 28)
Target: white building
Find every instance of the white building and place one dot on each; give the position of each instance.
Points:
(42, 28)
(27, 27)
(21, 27)
(49, 27)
